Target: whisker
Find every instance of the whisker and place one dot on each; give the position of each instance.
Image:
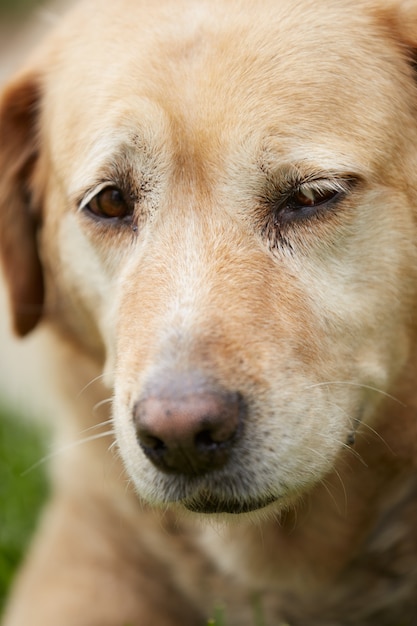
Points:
(344, 445)
(376, 433)
(102, 403)
(336, 472)
(94, 380)
(364, 425)
(347, 447)
(342, 484)
(112, 446)
(128, 483)
(66, 448)
(96, 426)
(323, 482)
(355, 453)
(114, 443)
(353, 384)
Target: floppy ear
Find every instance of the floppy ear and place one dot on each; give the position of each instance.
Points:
(399, 17)
(405, 21)
(20, 201)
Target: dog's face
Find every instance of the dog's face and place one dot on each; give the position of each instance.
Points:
(226, 195)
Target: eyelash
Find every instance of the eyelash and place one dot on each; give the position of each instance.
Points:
(308, 199)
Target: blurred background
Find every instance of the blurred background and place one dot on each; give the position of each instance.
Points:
(17, 6)
(22, 23)
(23, 440)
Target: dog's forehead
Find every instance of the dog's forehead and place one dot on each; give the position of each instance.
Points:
(272, 68)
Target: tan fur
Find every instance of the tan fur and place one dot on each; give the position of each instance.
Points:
(207, 111)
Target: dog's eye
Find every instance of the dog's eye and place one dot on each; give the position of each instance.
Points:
(310, 202)
(110, 203)
(306, 199)
(309, 198)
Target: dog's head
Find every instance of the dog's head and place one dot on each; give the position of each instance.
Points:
(218, 199)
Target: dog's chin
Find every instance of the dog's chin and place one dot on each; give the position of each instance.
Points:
(209, 504)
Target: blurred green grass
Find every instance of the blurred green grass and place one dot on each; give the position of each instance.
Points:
(22, 492)
(16, 7)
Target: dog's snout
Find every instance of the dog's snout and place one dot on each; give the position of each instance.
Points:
(188, 430)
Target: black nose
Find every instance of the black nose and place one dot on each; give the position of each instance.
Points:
(188, 427)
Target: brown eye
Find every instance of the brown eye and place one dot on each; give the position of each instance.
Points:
(310, 198)
(110, 204)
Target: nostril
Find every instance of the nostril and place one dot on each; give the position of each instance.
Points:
(205, 439)
(150, 441)
(217, 435)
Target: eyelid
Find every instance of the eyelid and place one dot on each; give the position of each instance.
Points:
(341, 185)
(89, 195)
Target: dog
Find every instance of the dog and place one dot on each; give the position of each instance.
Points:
(209, 210)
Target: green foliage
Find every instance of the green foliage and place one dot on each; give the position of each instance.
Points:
(258, 611)
(259, 620)
(218, 619)
(21, 492)
(18, 6)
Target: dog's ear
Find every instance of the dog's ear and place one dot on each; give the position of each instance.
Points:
(20, 211)
(400, 18)
(405, 22)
